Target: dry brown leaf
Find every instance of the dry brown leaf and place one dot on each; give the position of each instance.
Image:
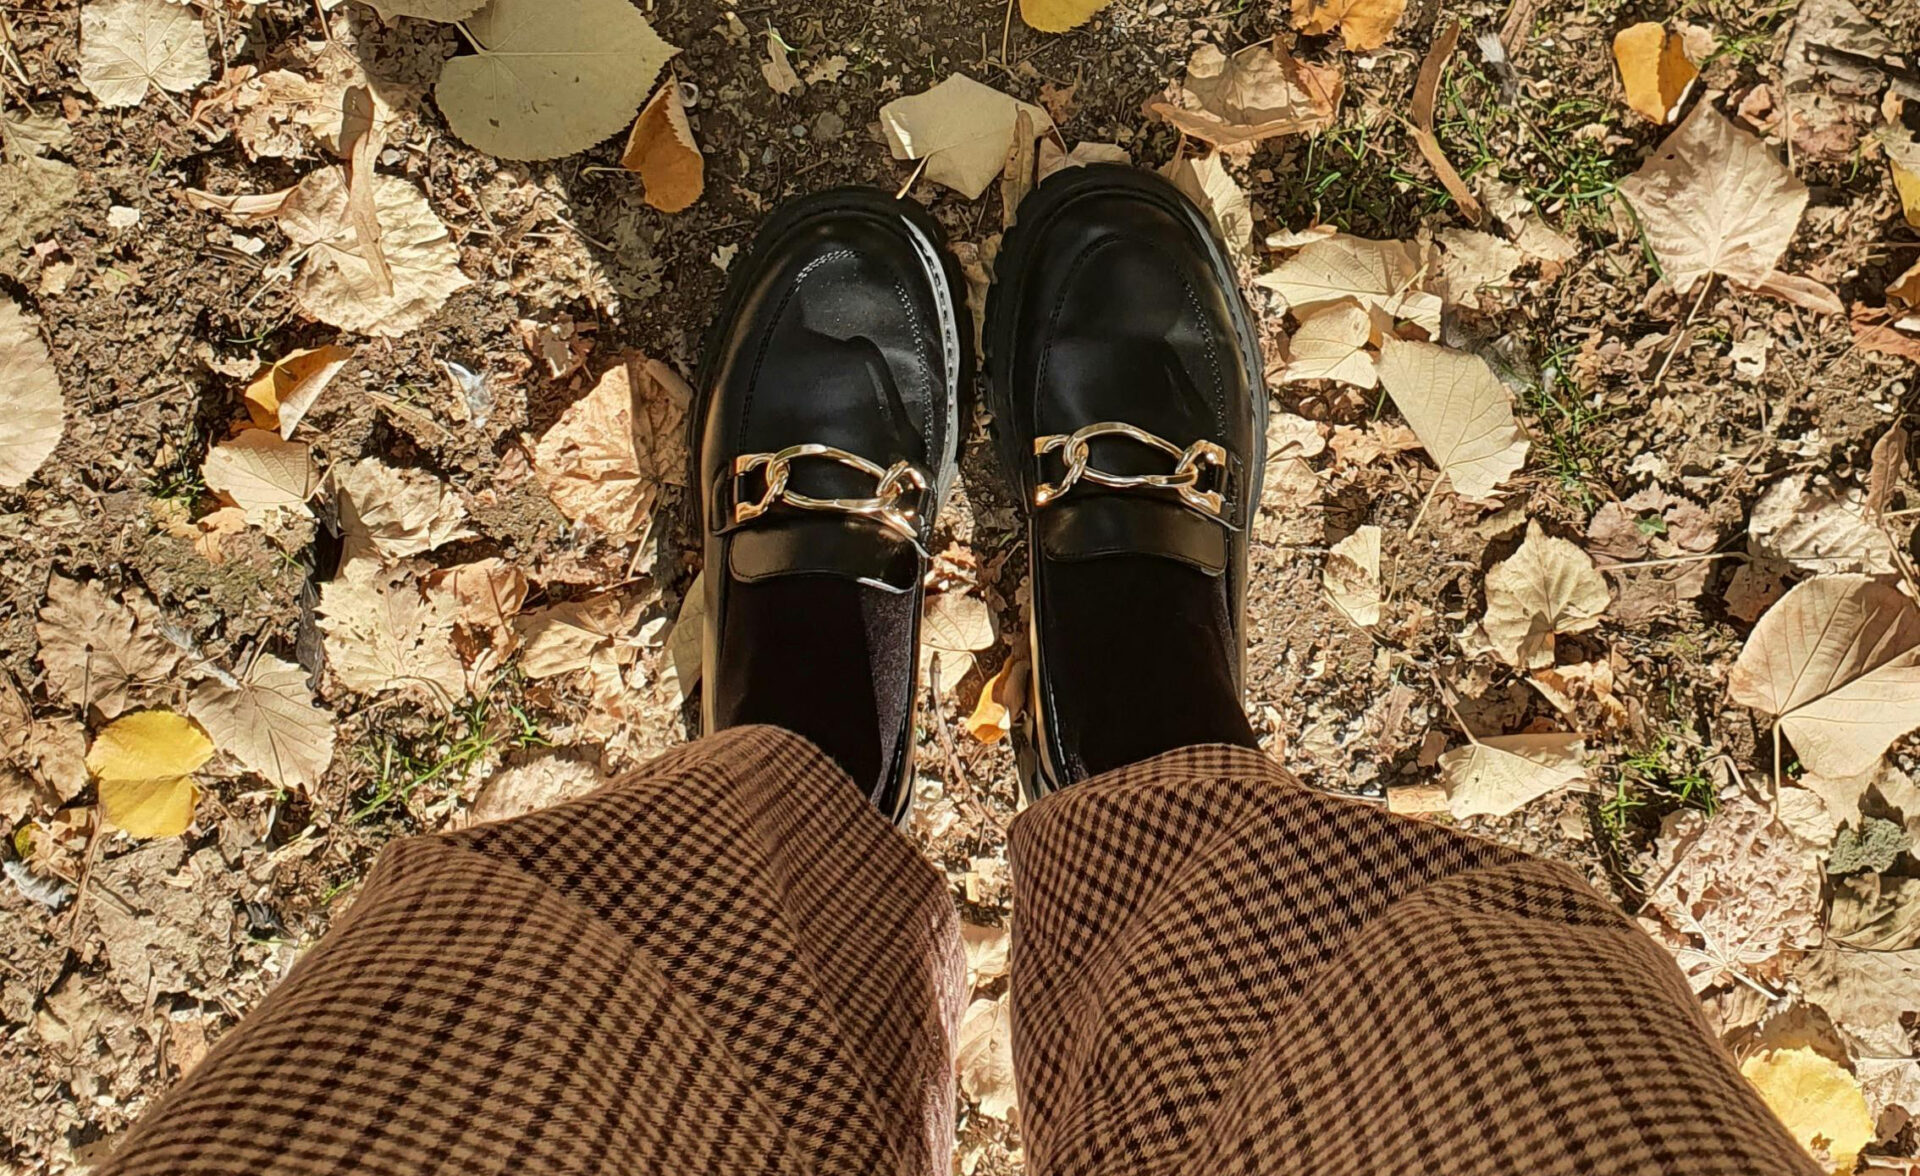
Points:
(1547, 587)
(778, 68)
(1888, 470)
(1812, 529)
(686, 644)
(1001, 700)
(1865, 992)
(280, 396)
(961, 128)
(1495, 777)
(1837, 663)
(1259, 93)
(1872, 913)
(267, 719)
(34, 189)
(954, 628)
(384, 633)
(1875, 329)
(537, 784)
(1800, 291)
(988, 954)
(1713, 200)
(1331, 344)
(604, 461)
(983, 1054)
(30, 399)
(1653, 525)
(1383, 275)
(1426, 90)
(1058, 16)
(1903, 156)
(127, 45)
(1364, 24)
(488, 594)
(1206, 181)
(1352, 576)
(575, 635)
(388, 514)
(1904, 291)
(661, 151)
(99, 652)
(360, 144)
(1474, 261)
(338, 285)
(1459, 409)
(1654, 69)
(263, 475)
(1818, 1102)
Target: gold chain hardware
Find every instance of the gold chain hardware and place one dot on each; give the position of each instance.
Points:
(1185, 477)
(893, 480)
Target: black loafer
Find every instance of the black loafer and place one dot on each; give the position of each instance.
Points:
(1129, 402)
(827, 443)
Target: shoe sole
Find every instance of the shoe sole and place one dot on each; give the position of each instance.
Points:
(1056, 193)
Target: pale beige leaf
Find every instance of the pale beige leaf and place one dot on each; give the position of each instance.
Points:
(441, 10)
(337, 284)
(961, 128)
(390, 514)
(1475, 261)
(1331, 344)
(1052, 159)
(1352, 576)
(1654, 70)
(34, 193)
(604, 461)
(537, 784)
(1713, 200)
(262, 474)
(686, 644)
(1873, 913)
(1495, 777)
(1547, 587)
(30, 400)
(1363, 24)
(778, 68)
(1817, 1100)
(1384, 275)
(488, 594)
(1291, 437)
(988, 950)
(1802, 291)
(578, 634)
(1460, 411)
(1206, 181)
(958, 623)
(99, 652)
(549, 80)
(1259, 93)
(984, 1057)
(1837, 662)
(127, 45)
(1867, 993)
(383, 633)
(1812, 529)
(267, 719)
(279, 397)
(662, 152)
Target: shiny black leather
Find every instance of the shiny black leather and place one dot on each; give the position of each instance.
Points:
(1115, 302)
(844, 327)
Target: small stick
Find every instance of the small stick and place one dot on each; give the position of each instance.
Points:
(1681, 336)
(1675, 560)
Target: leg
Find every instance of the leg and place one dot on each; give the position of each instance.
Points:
(726, 963)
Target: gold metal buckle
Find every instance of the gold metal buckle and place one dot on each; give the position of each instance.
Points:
(1185, 477)
(894, 481)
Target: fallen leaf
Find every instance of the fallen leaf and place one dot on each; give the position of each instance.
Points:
(1818, 1102)
(445, 11)
(34, 189)
(1837, 663)
(127, 45)
(954, 627)
(604, 461)
(489, 593)
(778, 68)
(1426, 89)
(99, 652)
(988, 953)
(829, 70)
(686, 644)
(1904, 291)
(262, 474)
(1495, 777)
(661, 151)
(1259, 93)
(1383, 275)
(1875, 913)
(1058, 16)
(30, 399)
(1802, 291)
(279, 397)
(1001, 700)
(280, 114)
(1547, 587)
(983, 1057)
(144, 765)
(544, 81)
(1352, 576)
(1206, 181)
(568, 637)
(1018, 175)
(540, 783)
(1713, 200)
(1654, 69)
(1051, 159)
(961, 128)
(1888, 470)
(389, 514)
(382, 632)
(1653, 525)
(267, 719)
(1874, 331)
(1460, 411)
(1812, 529)
(360, 143)
(1364, 24)
(1472, 261)
(1903, 156)
(338, 285)
(1331, 344)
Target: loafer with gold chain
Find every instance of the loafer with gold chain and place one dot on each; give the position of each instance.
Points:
(826, 445)
(1129, 405)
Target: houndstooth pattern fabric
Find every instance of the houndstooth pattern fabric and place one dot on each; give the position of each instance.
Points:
(728, 963)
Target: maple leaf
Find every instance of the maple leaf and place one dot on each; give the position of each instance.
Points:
(390, 514)
(383, 633)
(1547, 587)
(604, 461)
(268, 721)
(100, 652)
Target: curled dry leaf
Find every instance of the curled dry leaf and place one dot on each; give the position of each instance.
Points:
(1837, 663)
(984, 1057)
(127, 45)
(30, 401)
(1654, 69)
(961, 128)
(1259, 93)
(1001, 700)
(279, 397)
(1903, 156)
(1426, 90)
(267, 720)
(546, 80)
(604, 461)
(1206, 181)
(262, 474)
(661, 151)
(1547, 587)
(1382, 275)
(388, 514)
(1888, 470)
(1364, 24)
(1812, 529)
(1352, 576)
(1057, 16)
(686, 644)
(1495, 777)
(1459, 409)
(143, 764)
(574, 635)
(778, 68)
(1051, 159)
(34, 189)
(337, 284)
(1331, 344)
(382, 632)
(99, 652)
(488, 594)
(1818, 1102)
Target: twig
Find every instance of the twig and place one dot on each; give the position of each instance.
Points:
(1006, 34)
(1675, 560)
(6, 50)
(940, 725)
(911, 181)
(1680, 337)
(80, 886)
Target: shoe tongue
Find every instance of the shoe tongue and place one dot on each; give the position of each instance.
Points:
(1088, 525)
(773, 546)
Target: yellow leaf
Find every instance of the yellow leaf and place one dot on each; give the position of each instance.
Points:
(999, 705)
(144, 764)
(1365, 24)
(1654, 69)
(279, 396)
(661, 151)
(1057, 16)
(1818, 1101)
(1904, 154)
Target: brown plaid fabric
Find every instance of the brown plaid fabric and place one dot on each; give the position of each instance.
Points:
(728, 963)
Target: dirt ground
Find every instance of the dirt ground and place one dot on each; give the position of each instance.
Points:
(155, 326)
